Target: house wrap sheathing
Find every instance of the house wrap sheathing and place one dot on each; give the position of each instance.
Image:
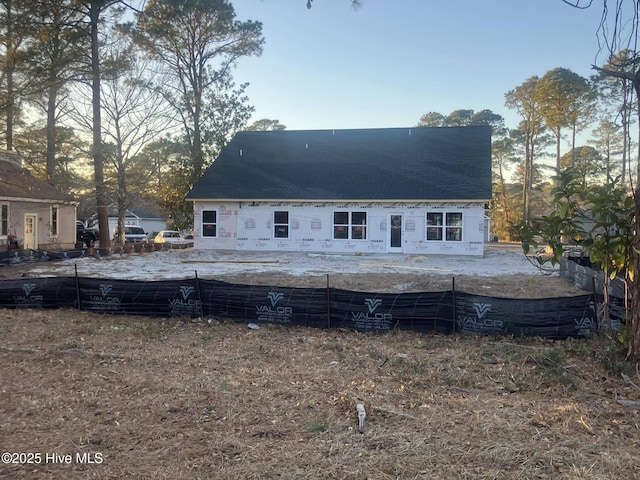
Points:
(404, 190)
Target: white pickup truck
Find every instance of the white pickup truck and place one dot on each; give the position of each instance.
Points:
(132, 234)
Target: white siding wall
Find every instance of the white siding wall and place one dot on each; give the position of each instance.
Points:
(249, 226)
(45, 239)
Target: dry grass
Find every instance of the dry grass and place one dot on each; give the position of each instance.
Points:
(174, 399)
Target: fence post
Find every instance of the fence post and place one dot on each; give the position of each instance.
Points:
(328, 303)
(75, 266)
(453, 307)
(199, 295)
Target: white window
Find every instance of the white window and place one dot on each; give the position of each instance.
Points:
(350, 225)
(4, 219)
(54, 220)
(281, 224)
(444, 226)
(209, 223)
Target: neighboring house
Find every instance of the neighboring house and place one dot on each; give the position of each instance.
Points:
(404, 190)
(34, 212)
(144, 213)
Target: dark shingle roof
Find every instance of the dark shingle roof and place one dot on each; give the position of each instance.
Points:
(141, 207)
(17, 183)
(370, 164)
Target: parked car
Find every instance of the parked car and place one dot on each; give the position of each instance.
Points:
(84, 235)
(132, 234)
(172, 237)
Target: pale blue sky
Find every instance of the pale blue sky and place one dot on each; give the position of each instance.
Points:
(391, 61)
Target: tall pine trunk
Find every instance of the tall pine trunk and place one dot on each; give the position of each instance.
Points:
(98, 153)
(9, 71)
(51, 130)
(633, 320)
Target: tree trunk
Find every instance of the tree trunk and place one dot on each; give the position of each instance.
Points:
(558, 141)
(197, 154)
(10, 106)
(573, 145)
(625, 132)
(525, 182)
(122, 198)
(98, 154)
(531, 147)
(506, 204)
(633, 319)
(122, 213)
(51, 130)
(9, 70)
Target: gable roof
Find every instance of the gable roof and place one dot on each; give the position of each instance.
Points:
(451, 163)
(17, 183)
(141, 207)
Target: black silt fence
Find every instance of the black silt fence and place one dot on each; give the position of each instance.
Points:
(559, 317)
(166, 298)
(441, 312)
(422, 312)
(16, 257)
(257, 304)
(55, 292)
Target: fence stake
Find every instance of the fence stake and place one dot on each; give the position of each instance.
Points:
(199, 295)
(75, 266)
(328, 303)
(453, 310)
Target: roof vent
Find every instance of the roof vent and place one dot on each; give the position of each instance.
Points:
(409, 132)
(306, 145)
(240, 152)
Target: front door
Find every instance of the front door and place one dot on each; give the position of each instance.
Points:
(30, 224)
(395, 233)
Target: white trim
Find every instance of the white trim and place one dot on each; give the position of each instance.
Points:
(8, 205)
(202, 222)
(53, 234)
(25, 241)
(307, 201)
(38, 200)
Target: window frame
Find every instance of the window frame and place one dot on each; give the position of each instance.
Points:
(4, 219)
(443, 226)
(352, 225)
(206, 225)
(434, 226)
(278, 224)
(54, 214)
(453, 227)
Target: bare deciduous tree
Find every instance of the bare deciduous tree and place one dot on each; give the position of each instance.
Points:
(618, 30)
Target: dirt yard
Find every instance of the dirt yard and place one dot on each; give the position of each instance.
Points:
(508, 286)
(503, 272)
(97, 396)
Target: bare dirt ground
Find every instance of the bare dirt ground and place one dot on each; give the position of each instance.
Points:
(86, 395)
(503, 271)
(508, 286)
(175, 399)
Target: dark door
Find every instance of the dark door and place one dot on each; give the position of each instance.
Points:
(395, 232)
